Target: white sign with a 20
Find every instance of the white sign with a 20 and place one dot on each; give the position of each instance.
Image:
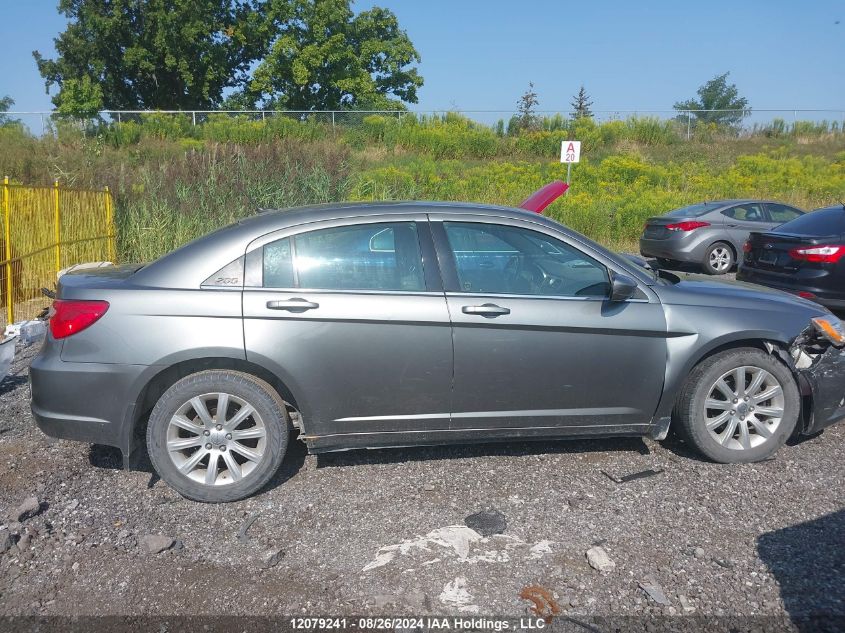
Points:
(570, 151)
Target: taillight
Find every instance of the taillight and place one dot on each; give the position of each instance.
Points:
(689, 225)
(746, 248)
(68, 317)
(828, 254)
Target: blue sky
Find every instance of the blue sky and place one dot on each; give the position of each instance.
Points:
(481, 54)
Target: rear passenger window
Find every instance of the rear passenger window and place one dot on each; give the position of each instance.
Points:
(381, 256)
(746, 213)
(278, 265)
(782, 213)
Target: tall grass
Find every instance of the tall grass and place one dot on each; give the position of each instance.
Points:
(174, 181)
(611, 198)
(178, 200)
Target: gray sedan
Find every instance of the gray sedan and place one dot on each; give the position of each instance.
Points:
(395, 324)
(710, 234)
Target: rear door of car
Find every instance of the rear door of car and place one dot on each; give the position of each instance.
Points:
(350, 314)
(536, 360)
(741, 219)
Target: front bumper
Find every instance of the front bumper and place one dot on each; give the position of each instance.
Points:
(826, 380)
(88, 402)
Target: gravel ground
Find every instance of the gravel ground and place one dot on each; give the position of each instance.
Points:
(368, 532)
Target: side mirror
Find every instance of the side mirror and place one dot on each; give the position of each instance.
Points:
(622, 287)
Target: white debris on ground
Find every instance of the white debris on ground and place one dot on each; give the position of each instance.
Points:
(24, 333)
(464, 543)
(7, 354)
(455, 594)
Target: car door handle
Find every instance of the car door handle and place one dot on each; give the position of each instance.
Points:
(293, 305)
(488, 310)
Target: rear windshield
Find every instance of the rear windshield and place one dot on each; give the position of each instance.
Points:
(692, 211)
(830, 221)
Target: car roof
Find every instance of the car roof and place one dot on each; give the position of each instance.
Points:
(729, 201)
(277, 218)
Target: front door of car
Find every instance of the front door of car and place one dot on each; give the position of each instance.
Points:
(741, 219)
(351, 316)
(539, 347)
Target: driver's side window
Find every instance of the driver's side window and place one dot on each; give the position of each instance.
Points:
(499, 259)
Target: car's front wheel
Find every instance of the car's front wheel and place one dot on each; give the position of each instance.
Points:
(218, 436)
(738, 406)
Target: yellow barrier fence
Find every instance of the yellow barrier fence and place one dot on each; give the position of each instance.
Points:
(44, 230)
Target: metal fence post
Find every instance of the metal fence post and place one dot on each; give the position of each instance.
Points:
(57, 219)
(7, 230)
(109, 219)
(332, 119)
(689, 124)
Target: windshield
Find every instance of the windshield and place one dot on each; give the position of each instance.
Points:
(830, 221)
(693, 210)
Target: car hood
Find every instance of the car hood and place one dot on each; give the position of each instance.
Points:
(703, 290)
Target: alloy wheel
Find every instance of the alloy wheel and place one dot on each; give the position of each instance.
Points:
(744, 408)
(720, 258)
(216, 439)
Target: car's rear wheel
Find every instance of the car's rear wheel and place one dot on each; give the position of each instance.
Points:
(738, 406)
(218, 436)
(719, 259)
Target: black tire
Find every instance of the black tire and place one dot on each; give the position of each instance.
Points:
(270, 410)
(718, 259)
(689, 415)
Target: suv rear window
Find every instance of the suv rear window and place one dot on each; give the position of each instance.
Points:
(829, 221)
(693, 210)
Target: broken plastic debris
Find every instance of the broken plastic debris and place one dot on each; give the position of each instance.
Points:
(487, 523)
(633, 476)
(654, 590)
(242, 535)
(7, 355)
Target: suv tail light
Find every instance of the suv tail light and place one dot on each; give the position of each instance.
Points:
(68, 317)
(746, 248)
(828, 254)
(689, 225)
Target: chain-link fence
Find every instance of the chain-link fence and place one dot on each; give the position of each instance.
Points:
(743, 122)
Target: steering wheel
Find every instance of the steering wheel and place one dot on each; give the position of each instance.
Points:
(522, 276)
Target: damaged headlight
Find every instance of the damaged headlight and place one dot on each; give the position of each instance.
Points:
(830, 328)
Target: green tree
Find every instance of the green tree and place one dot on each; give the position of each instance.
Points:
(6, 104)
(153, 54)
(717, 94)
(526, 109)
(581, 105)
(323, 56)
(79, 98)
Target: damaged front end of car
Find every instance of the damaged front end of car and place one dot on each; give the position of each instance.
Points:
(817, 358)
